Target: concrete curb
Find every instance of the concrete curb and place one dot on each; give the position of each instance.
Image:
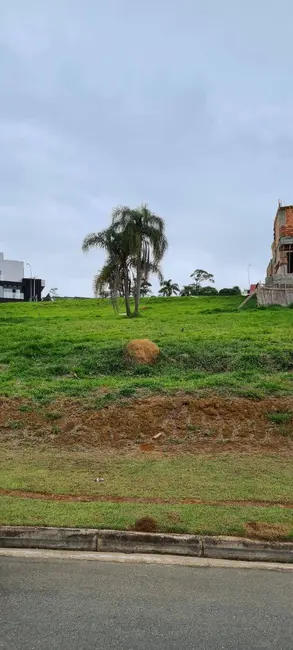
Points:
(113, 541)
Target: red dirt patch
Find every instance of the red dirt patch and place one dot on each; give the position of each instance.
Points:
(189, 423)
(266, 530)
(46, 496)
(146, 446)
(146, 525)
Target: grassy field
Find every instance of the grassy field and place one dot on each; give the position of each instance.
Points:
(73, 408)
(72, 347)
(226, 488)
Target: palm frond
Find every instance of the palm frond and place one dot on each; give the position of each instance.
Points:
(95, 240)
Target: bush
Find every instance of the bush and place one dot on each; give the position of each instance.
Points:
(207, 291)
(233, 291)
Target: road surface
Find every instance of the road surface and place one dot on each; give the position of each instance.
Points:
(81, 605)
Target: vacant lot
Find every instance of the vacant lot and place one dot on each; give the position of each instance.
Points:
(202, 441)
(71, 347)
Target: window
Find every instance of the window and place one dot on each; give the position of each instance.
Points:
(290, 262)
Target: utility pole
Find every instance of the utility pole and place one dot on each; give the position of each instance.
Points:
(248, 273)
(31, 279)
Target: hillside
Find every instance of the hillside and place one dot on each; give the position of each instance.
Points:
(73, 347)
(202, 441)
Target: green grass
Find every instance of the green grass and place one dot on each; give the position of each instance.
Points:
(212, 520)
(73, 347)
(217, 478)
(280, 417)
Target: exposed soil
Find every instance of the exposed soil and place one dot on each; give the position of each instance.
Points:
(45, 496)
(186, 423)
(146, 525)
(266, 530)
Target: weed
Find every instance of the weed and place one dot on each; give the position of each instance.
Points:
(25, 408)
(14, 424)
(209, 433)
(53, 415)
(55, 429)
(127, 391)
(280, 418)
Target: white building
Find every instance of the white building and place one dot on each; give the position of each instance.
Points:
(13, 284)
(11, 272)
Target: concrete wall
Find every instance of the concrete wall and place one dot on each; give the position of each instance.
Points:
(266, 296)
(11, 270)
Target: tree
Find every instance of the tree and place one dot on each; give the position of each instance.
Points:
(145, 233)
(199, 276)
(233, 291)
(115, 272)
(207, 291)
(145, 288)
(134, 240)
(168, 288)
(188, 290)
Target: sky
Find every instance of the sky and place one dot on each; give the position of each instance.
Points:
(184, 104)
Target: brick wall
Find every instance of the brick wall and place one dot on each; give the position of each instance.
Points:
(287, 230)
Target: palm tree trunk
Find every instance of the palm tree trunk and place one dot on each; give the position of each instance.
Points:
(138, 283)
(126, 291)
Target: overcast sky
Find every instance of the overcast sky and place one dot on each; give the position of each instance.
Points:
(184, 104)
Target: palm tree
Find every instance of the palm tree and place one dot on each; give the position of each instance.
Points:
(115, 272)
(145, 287)
(168, 288)
(145, 233)
(188, 290)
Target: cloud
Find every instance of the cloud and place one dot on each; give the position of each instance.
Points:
(186, 105)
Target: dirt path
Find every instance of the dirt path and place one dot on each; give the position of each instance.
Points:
(118, 499)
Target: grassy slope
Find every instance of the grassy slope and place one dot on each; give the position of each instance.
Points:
(73, 347)
(213, 520)
(215, 479)
(196, 477)
(70, 347)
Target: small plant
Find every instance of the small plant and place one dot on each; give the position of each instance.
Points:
(14, 424)
(25, 408)
(280, 417)
(209, 433)
(53, 415)
(284, 432)
(127, 391)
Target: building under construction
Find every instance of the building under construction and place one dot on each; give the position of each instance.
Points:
(280, 268)
(278, 286)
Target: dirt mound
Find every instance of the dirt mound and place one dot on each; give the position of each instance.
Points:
(142, 351)
(146, 525)
(266, 530)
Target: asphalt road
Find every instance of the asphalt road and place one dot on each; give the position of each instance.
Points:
(82, 605)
